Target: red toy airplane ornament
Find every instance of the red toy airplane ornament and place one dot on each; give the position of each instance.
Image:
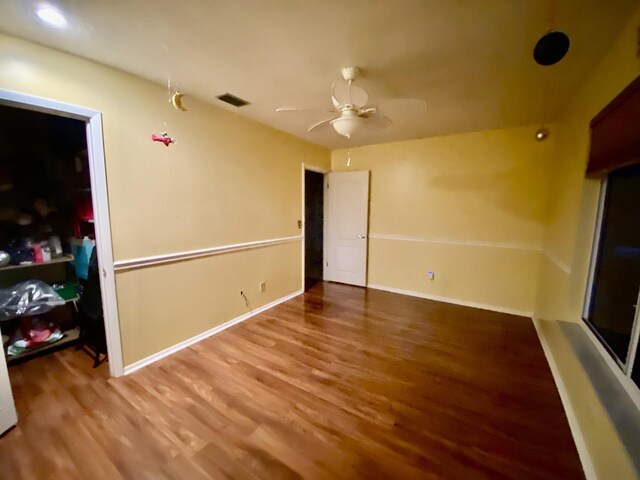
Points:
(163, 138)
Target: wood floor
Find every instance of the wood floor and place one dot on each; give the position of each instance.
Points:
(341, 382)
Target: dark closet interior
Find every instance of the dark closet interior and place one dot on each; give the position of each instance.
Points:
(313, 227)
(49, 282)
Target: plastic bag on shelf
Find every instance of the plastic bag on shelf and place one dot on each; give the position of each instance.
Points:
(33, 297)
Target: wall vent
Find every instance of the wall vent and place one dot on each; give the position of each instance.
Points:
(232, 100)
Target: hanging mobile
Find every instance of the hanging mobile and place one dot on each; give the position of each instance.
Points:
(163, 137)
(176, 101)
(175, 97)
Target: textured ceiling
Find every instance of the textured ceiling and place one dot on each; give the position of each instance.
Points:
(471, 60)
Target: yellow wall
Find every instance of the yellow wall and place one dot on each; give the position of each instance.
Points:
(568, 241)
(186, 298)
(574, 199)
(471, 207)
(227, 180)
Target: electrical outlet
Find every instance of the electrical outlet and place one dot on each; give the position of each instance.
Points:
(263, 286)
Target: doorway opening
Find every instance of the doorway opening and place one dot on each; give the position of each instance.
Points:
(58, 311)
(313, 227)
(47, 236)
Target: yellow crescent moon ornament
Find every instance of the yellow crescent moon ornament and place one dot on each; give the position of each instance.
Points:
(176, 101)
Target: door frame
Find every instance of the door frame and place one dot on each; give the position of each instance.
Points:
(100, 199)
(313, 168)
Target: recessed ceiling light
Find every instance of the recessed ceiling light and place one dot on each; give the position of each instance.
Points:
(52, 16)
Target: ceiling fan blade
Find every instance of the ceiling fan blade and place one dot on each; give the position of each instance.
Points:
(378, 122)
(322, 122)
(334, 99)
(345, 94)
(306, 110)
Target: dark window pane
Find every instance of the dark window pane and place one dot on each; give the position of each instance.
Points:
(617, 273)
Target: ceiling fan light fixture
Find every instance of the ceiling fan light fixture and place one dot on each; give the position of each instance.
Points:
(347, 125)
(351, 111)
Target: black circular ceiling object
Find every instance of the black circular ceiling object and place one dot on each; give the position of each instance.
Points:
(551, 48)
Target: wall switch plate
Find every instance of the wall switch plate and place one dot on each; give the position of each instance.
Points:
(263, 286)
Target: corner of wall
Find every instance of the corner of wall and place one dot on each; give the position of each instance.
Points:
(566, 256)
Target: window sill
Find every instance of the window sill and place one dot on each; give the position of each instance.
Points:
(618, 394)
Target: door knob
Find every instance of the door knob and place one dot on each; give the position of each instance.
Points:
(361, 236)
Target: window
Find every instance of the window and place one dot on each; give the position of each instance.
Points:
(611, 307)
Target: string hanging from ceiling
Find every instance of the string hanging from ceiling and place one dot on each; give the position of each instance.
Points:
(549, 50)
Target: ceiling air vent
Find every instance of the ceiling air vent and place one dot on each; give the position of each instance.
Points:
(233, 100)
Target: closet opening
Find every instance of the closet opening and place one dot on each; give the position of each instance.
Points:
(50, 294)
(58, 308)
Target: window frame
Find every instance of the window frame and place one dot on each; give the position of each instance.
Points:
(626, 366)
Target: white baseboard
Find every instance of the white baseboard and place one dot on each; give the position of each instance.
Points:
(455, 301)
(201, 336)
(576, 432)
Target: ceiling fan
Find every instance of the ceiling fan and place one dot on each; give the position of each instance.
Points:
(350, 111)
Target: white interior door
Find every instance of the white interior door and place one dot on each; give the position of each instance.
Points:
(347, 227)
(8, 417)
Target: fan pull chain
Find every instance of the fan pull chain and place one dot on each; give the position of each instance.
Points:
(349, 158)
